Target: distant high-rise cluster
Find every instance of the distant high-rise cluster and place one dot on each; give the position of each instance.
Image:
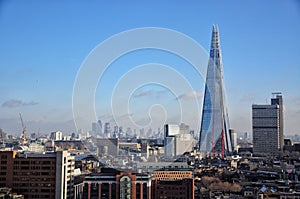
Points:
(97, 128)
(214, 133)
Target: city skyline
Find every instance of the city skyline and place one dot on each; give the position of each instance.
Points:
(41, 54)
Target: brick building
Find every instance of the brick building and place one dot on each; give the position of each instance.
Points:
(173, 183)
(114, 184)
(38, 175)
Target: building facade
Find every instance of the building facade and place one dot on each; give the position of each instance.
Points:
(114, 184)
(38, 175)
(214, 132)
(173, 183)
(267, 127)
(107, 147)
(233, 137)
(178, 140)
(56, 135)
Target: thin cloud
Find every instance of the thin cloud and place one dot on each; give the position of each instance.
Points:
(144, 93)
(147, 93)
(18, 103)
(190, 95)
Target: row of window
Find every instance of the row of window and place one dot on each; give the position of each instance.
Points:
(34, 168)
(34, 162)
(34, 173)
(28, 179)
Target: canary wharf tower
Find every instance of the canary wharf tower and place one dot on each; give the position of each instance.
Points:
(214, 133)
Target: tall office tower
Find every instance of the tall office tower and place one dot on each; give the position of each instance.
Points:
(121, 133)
(115, 132)
(94, 127)
(277, 99)
(99, 127)
(233, 137)
(107, 131)
(267, 126)
(214, 133)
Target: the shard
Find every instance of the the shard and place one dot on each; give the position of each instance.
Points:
(214, 134)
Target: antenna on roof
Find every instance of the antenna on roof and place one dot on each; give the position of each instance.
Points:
(276, 94)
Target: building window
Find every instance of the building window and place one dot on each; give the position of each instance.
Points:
(125, 187)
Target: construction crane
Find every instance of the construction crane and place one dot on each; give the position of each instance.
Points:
(24, 130)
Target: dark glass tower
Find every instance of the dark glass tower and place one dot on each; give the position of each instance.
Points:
(214, 133)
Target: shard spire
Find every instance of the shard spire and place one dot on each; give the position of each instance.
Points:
(214, 132)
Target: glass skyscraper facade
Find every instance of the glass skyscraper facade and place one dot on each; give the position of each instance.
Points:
(214, 132)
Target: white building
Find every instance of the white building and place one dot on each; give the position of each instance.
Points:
(56, 135)
(65, 166)
(233, 137)
(178, 140)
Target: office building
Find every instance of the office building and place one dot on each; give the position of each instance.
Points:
(38, 175)
(97, 128)
(267, 127)
(171, 129)
(107, 131)
(57, 135)
(107, 147)
(178, 140)
(214, 132)
(233, 138)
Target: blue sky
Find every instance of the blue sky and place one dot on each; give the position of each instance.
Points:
(44, 43)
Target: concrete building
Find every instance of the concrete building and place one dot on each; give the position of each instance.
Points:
(169, 147)
(107, 146)
(38, 175)
(97, 128)
(171, 130)
(177, 140)
(107, 130)
(57, 135)
(267, 126)
(233, 138)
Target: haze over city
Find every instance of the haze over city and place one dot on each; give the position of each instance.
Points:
(44, 44)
